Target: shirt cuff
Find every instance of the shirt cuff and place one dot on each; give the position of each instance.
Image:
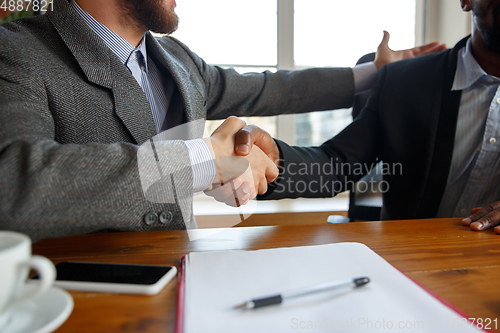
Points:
(364, 76)
(202, 163)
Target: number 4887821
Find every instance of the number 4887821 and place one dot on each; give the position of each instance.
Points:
(24, 5)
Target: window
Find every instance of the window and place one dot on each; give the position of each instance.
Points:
(264, 34)
(337, 33)
(235, 34)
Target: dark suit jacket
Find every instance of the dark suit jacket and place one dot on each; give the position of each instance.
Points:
(72, 119)
(409, 123)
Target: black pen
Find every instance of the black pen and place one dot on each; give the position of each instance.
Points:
(279, 298)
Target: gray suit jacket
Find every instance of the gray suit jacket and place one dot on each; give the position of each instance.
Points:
(72, 119)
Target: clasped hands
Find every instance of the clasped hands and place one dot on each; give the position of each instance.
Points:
(246, 158)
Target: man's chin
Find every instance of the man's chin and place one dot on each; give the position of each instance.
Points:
(166, 30)
(154, 15)
(167, 24)
(492, 40)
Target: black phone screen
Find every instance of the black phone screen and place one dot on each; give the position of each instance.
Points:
(110, 273)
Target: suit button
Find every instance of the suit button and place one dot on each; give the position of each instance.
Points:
(166, 217)
(151, 218)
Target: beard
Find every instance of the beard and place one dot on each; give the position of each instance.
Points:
(154, 15)
(489, 31)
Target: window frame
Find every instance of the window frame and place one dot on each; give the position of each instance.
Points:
(285, 124)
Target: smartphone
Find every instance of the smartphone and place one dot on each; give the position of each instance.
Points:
(113, 278)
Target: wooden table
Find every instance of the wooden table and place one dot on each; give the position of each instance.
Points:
(459, 265)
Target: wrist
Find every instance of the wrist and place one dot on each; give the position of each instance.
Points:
(212, 145)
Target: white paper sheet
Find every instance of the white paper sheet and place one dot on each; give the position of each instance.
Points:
(216, 281)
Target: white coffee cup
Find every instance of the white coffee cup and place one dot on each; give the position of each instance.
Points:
(15, 263)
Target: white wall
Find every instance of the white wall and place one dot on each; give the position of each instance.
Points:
(445, 22)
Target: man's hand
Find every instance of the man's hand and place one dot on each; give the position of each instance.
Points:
(484, 218)
(252, 135)
(385, 55)
(238, 179)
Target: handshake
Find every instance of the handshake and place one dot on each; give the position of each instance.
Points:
(246, 159)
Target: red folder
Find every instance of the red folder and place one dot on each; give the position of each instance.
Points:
(179, 318)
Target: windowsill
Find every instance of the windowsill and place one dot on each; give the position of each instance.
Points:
(204, 206)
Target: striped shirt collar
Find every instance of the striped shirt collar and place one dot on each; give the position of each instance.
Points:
(117, 44)
(468, 70)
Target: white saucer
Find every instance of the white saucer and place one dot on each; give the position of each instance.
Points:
(41, 315)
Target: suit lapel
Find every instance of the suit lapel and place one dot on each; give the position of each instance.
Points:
(183, 107)
(102, 67)
(91, 53)
(444, 140)
(131, 104)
